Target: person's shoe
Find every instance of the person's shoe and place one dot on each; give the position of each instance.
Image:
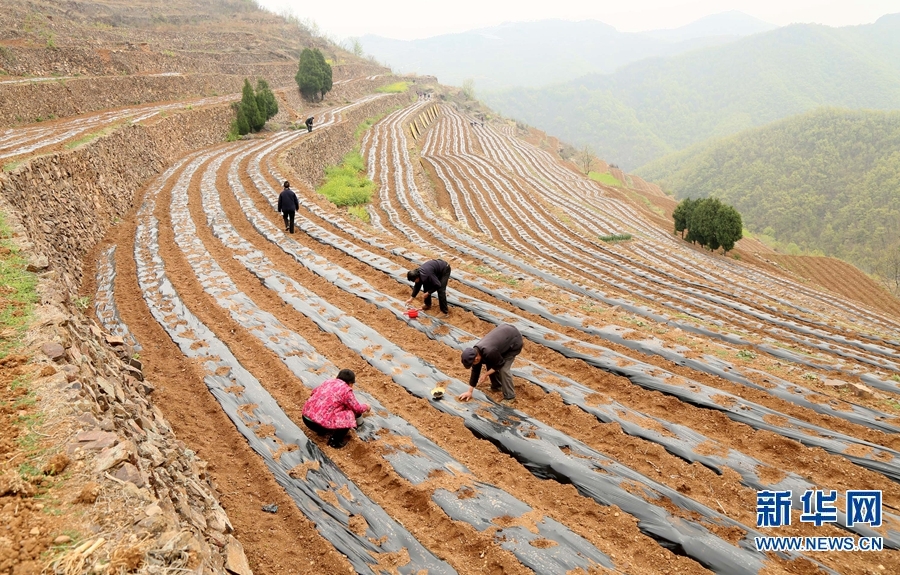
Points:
(508, 402)
(426, 307)
(332, 442)
(495, 388)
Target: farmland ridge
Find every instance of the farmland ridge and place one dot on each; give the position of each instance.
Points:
(150, 417)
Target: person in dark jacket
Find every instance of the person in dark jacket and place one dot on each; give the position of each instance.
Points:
(496, 351)
(430, 277)
(288, 204)
(332, 408)
(309, 123)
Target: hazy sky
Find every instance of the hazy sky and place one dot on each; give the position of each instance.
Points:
(410, 19)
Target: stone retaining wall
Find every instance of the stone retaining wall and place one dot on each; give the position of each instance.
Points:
(34, 100)
(28, 102)
(115, 446)
(68, 201)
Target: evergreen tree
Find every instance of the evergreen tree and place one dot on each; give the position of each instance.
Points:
(255, 118)
(709, 223)
(241, 122)
(681, 213)
(326, 73)
(729, 227)
(265, 99)
(314, 74)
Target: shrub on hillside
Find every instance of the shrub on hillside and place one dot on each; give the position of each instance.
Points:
(314, 74)
(255, 117)
(708, 222)
(265, 99)
(253, 110)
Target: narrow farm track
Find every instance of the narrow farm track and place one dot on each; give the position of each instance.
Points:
(659, 387)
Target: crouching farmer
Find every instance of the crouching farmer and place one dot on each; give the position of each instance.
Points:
(496, 351)
(332, 409)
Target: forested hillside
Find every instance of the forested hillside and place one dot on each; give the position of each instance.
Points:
(654, 107)
(827, 180)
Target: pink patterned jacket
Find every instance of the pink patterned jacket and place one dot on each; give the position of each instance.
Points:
(333, 405)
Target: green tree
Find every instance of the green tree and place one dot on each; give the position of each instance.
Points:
(265, 99)
(326, 72)
(241, 124)
(255, 117)
(729, 227)
(708, 222)
(681, 213)
(702, 223)
(313, 75)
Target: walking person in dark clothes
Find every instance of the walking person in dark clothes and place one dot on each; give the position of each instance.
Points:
(288, 204)
(309, 122)
(430, 277)
(332, 408)
(496, 351)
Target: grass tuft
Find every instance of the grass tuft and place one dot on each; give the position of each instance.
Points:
(348, 184)
(606, 178)
(359, 212)
(615, 238)
(395, 88)
(17, 292)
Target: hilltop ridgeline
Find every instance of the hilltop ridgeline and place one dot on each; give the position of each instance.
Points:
(657, 106)
(83, 57)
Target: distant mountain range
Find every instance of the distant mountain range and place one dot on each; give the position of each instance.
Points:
(533, 54)
(657, 106)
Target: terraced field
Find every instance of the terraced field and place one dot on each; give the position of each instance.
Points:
(660, 387)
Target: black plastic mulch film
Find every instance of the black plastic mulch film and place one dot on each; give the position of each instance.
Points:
(514, 432)
(477, 504)
(249, 406)
(468, 241)
(384, 355)
(682, 444)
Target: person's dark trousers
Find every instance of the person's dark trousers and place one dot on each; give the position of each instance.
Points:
(336, 437)
(288, 220)
(442, 293)
(308, 128)
(502, 379)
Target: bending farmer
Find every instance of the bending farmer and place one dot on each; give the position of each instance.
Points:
(496, 351)
(430, 277)
(332, 408)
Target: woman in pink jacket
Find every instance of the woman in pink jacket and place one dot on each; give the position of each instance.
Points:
(332, 408)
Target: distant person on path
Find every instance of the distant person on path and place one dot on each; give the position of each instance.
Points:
(309, 123)
(332, 409)
(430, 277)
(496, 351)
(288, 204)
